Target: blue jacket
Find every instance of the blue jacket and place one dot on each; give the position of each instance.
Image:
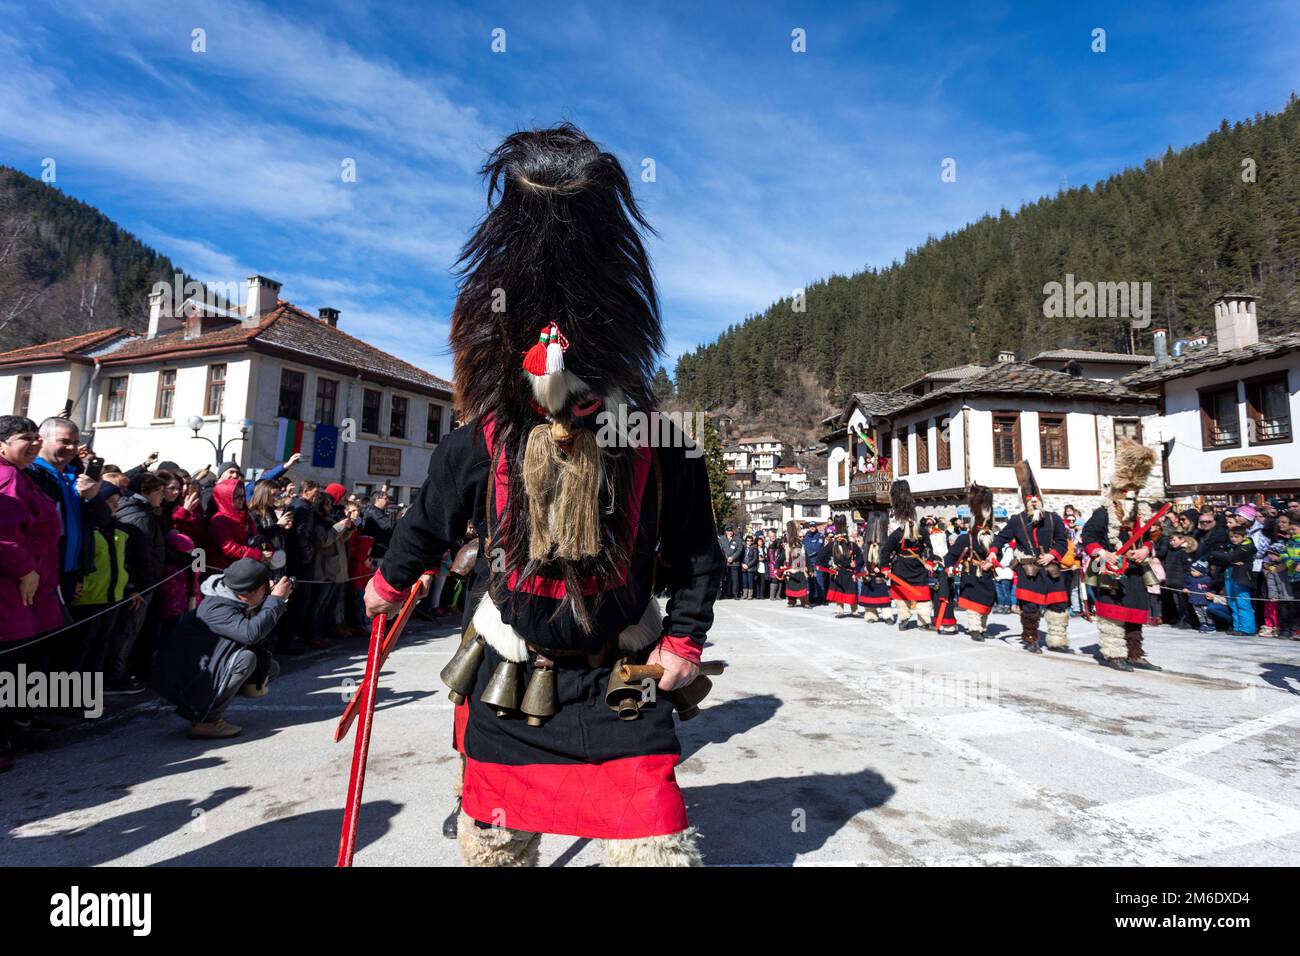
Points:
(812, 546)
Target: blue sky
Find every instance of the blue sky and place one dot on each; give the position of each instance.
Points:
(773, 168)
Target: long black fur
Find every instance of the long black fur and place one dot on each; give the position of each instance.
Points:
(561, 242)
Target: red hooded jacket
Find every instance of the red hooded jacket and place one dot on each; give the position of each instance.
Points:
(229, 530)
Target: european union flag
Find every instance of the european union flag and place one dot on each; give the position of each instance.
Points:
(325, 446)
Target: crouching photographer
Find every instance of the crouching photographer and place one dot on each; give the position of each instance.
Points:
(223, 648)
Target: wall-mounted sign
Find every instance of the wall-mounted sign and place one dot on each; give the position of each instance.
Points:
(385, 461)
(1246, 463)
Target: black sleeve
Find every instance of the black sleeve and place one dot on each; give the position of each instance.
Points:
(1006, 536)
(689, 543)
(890, 546)
(1097, 530)
(458, 471)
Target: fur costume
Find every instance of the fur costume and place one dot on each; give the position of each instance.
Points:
(968, 552)
(1120, 587)
(1023, 542)
(906, 554)
(581, 521)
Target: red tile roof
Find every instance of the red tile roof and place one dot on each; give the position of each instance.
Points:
(288, 331)
(71, 349)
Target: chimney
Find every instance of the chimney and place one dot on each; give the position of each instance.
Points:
(1235, 326)
(262, 294)
(330, 317)
(161, 319)
(1160, 337)
(1004, 357)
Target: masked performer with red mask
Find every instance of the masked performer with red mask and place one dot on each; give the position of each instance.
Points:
(555, 327)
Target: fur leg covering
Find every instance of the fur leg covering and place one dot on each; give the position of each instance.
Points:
(924, 613)
(902, 611)
(495, 846)
(976, 623)
(1113, 645)
(1133, 642)
(870, 614)
(458, 784)
(671, 849)
(1029, 617)
(1058, 626)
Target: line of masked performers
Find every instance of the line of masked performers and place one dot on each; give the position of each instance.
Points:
(897, 577)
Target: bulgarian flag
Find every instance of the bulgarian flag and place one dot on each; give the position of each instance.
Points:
(870, 445)
(288, 440)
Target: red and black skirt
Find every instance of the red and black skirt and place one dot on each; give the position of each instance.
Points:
(909, 580)
(842, 589)
(1123, 598)
(874, 591)
(979, 592)
(796, 585)
(1042, 589)
(583, 773)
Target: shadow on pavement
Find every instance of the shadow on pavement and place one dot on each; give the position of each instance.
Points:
(718, 723)
(775, 821)
(307, 839)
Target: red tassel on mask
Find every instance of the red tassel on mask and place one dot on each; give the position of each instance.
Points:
(535, 358)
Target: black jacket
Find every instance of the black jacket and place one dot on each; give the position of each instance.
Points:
(193, 656)
(378, 525)
(1236, 560)
(145, 546)
(1213, 540)
(690, 560)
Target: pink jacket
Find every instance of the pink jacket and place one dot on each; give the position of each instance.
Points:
(29, 541)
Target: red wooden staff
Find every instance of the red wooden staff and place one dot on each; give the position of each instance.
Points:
(363, 704)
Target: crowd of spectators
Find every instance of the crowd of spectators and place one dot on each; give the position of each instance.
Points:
(118, 572)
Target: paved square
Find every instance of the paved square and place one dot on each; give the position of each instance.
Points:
(826, 742)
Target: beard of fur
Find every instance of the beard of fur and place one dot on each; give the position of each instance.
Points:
(563, 496)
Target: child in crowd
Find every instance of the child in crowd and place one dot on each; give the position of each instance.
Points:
(1197, 591)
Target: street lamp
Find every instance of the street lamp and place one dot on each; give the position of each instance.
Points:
(218, 447)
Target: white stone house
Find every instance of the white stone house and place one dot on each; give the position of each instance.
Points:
(1228, 411)
(235, 373)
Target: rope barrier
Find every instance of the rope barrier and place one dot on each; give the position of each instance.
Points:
(23, 644)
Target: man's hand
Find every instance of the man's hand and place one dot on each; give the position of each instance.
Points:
(1139, 554)
(285, 520)
(293, 460)
(267, 556)
(87, 487)
(283, 587)
(84, 452)
(153, 456)
(376, 605)
(27, 586)
(1047, 557)
(678, 671)
(202, 472)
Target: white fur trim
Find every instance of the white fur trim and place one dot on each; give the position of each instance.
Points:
(501, 637)
(671, 849)
(644, 632)
(552, 391)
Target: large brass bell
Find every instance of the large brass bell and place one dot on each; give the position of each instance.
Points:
(686, 700)
(621, 696)
(461, 671)
(502, 691)
(539, 698)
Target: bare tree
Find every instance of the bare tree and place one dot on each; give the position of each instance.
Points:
(18, 293)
